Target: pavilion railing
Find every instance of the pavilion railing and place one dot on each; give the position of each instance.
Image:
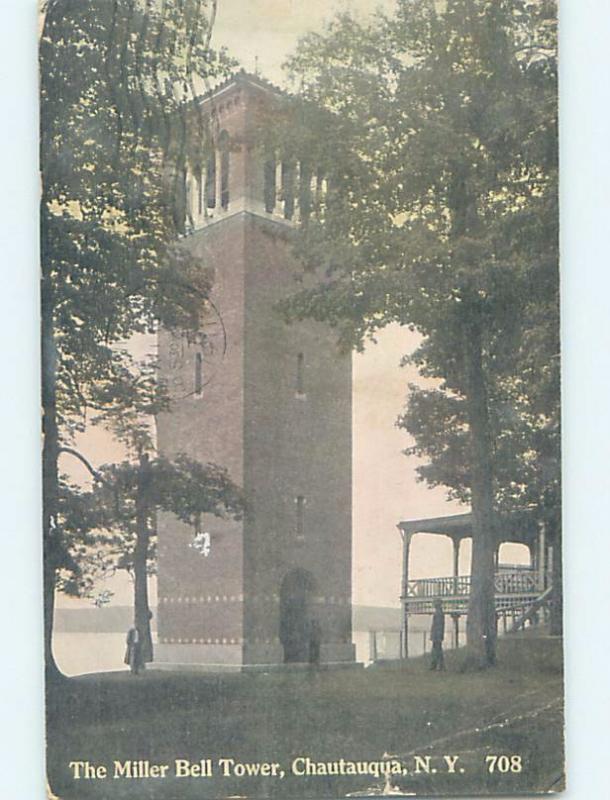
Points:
(512, 588)
(505, 582)
(515, 568)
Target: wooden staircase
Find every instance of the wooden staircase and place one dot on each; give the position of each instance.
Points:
(533, 609)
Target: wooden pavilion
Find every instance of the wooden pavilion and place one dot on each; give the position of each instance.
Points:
(518, 588)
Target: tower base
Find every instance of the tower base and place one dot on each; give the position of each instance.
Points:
(249, 657)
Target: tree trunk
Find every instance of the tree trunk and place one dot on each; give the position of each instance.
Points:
(481, 623)
(51, 535)
(140, 559)
(52, 540)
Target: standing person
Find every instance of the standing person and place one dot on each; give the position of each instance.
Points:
(437, 634)
(133, 653)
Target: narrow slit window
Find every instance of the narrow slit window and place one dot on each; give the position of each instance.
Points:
(188, 190)
(300, 520)
(198, 374)
(288, 189)
(187, 199)
(270, 192)
(199, 187)
(210, 182)
(321, 195)
(300, 382)
(223, 143)
(305, 175)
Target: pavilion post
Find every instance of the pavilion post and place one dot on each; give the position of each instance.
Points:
(373, 646)
(456, 562)
(542, 558)
(404, 628)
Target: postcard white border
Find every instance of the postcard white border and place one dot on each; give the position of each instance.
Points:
(585, 182)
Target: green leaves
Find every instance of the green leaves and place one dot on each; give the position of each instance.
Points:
(100, 525)
(188, 488)
(443, 130)
(118, 81)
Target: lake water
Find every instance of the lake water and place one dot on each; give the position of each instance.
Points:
(80, 653)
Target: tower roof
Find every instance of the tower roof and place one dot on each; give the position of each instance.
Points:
(239, 80)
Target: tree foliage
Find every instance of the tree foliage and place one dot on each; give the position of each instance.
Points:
(112, 526)
(118, 126)
(116, 84)
(442, 216)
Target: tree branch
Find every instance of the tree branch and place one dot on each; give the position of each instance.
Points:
(96, 475)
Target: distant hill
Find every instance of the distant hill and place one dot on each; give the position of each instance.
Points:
(375, 618)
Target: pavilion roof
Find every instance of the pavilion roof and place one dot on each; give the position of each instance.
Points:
(518, 526)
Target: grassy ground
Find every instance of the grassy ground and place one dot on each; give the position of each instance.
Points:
(513, 709)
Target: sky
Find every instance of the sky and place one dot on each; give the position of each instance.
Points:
(262, 33)
(267, 31)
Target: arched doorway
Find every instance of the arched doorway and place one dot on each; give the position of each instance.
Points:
(296, 615)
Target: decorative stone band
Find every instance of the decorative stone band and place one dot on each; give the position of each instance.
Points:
(171, 640)
(332, 601)
(240, 598)
(254, 640)
(217, 598)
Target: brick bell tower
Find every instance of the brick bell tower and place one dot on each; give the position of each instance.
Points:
(272, 403)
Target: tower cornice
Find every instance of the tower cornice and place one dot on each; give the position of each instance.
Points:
(237, 82)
